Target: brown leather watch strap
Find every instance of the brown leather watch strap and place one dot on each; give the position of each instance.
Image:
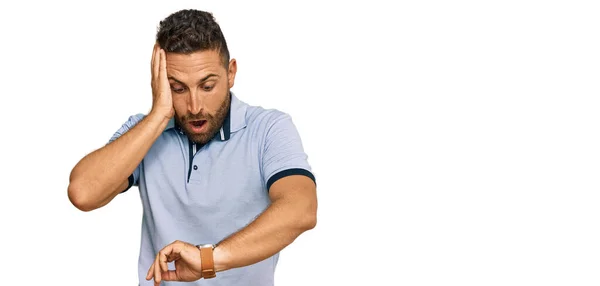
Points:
(208, 264)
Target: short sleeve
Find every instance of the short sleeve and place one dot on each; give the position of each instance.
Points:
(130, 123)
(283, 154)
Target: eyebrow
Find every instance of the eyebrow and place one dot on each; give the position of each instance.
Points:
(201, 80)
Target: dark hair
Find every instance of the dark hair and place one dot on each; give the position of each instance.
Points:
(189, 31)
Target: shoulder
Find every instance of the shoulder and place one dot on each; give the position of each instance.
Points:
(127, 125)
(258, 117)
(134, 119)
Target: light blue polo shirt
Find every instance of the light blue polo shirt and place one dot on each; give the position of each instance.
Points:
(202, 194)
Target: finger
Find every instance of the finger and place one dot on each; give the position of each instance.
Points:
(163, 257)
(170, 275)
(156, 65)
(157, 276)
(163, 65)
(171, 253)
(153, 56)
(150, 272)
(173, 256)
(154, 60)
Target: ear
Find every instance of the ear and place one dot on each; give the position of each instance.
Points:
(232, 71)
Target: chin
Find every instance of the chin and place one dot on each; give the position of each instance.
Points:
(200, 138)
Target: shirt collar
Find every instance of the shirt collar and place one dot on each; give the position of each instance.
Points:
(235, 120)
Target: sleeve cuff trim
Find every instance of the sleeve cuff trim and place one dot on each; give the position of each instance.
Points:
(130, 180)
(290, 172)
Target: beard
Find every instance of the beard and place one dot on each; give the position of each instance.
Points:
(213, 122)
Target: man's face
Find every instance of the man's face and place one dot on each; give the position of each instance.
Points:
(200, 90)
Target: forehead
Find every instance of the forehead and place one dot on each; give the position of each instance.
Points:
(195, 65)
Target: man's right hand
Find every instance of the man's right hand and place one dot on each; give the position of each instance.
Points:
(162, 102)
(103, 174)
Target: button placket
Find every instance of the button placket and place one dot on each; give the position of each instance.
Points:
(194, 176)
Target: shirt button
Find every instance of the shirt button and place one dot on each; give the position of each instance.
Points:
(195, 167)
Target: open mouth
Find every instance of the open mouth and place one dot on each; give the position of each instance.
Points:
(197, 125)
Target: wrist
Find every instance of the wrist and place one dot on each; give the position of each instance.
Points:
(207, 264)
(159, 118)
(221, 258)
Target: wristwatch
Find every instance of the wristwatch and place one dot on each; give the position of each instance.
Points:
(208, 263)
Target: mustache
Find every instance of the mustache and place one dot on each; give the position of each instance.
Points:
(199, 116)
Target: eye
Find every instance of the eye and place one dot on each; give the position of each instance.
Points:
(178, 89)
(208, 87)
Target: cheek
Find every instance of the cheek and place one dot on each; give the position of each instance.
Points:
(217, 97)
(179, 104)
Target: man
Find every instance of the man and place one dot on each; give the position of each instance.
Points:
(225, 186)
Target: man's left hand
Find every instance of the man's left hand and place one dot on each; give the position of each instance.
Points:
(188, 265)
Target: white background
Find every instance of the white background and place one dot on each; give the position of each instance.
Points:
(454, 142)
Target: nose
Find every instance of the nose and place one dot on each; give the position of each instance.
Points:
(195, 103)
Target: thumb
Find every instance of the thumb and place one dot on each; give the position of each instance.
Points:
(170, 275)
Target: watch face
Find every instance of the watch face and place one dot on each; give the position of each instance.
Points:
(206, 245)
